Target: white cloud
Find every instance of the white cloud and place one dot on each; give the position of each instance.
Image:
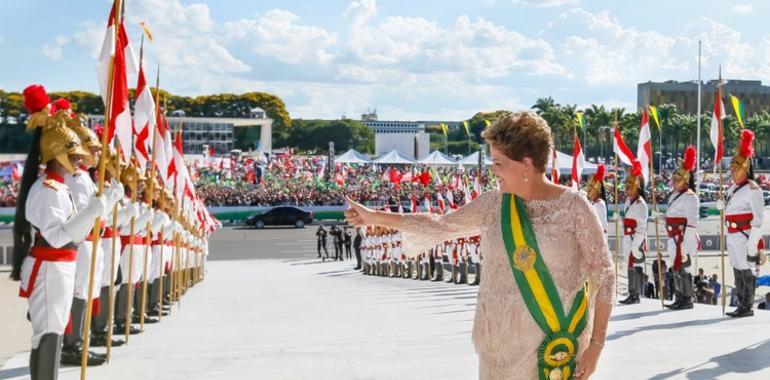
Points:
(277, 35)
(546, 3)
(741, 9)
(54, 51)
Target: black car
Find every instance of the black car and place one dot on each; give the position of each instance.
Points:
(281, 216)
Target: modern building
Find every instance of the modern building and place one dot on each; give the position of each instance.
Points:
(216, 132)
(754, 96)
(407, 137)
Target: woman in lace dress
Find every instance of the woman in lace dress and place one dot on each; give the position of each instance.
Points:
(570, 240)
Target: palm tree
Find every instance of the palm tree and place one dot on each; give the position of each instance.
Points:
(596, 118)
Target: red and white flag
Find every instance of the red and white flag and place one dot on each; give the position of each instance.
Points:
(427, 203)
(144, 120)
(413, 205)
(644, 150)
(578, 162)
(118, 56)
(164, 153)
(555, 167)
(441, 204)
(466, 192)
(716, 133)
(621, 149)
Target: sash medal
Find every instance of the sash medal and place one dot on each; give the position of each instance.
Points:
(557, 353)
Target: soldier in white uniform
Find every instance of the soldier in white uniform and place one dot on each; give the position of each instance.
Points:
(475, 258)
(682, 228)
(597, 195)
(82, 188)
(46, 267)
(634, 232)
(744, 212)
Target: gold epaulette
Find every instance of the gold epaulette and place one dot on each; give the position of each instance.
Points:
(53, 184)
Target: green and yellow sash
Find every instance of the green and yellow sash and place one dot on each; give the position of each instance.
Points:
(556, 354)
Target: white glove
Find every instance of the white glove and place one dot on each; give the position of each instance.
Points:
(116, 192)
(125, 213)
(81, 223)
(720, 204)
(145, 215)
(158, 221)
(751, 246)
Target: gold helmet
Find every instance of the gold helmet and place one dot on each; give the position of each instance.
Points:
(57, 141)
(594, 186)
(88, 138)
(132, 177)
(634, 179)
(743, 153)
(683, 174)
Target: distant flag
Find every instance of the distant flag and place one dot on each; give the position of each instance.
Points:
(620, 148)
(580, 119)
(716, 128)
(413, 204)
(146, 30)
(444, 129)
(467, 129)
(441, 204)
(644, 150)
(578, 162)
(654, 113)
(427, 203)
(738, 108)
(487, 123)
(554, 168)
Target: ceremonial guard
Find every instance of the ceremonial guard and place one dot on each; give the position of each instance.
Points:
(682, 227)
(83, 188)
(744, 211)
(634, 232)
(475, 258)
(46, 265)
(597, 195)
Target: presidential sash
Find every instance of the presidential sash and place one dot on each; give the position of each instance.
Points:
(557, 353)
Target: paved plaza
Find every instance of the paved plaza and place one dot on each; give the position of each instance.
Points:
(263, 317)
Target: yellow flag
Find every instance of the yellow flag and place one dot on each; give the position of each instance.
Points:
(487, 122)
(467, 130)
(580, 119)
(443, 128)
(654, 113)
(146, 30)
(738, 108)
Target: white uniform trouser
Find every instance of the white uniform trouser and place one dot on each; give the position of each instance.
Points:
(671, 252)
(156, 262)
(168, 251)
(50, 299)
(108, 277)
(83, 270)
(137, 259)
(627, 250)
(737, 248)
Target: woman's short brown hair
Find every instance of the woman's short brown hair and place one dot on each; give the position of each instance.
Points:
(519, 135)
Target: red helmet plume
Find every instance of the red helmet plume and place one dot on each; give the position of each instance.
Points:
(35, 98)
(689, 159)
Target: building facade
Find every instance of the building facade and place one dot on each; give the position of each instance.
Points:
(754, 96)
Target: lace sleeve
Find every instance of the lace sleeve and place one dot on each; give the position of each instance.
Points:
(594, 252)
(423, 231)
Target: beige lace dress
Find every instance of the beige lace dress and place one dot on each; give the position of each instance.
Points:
(572, 245)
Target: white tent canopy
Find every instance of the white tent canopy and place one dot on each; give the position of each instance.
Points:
(473, 159)
(437, 158)
(565, 164)
(393, 157)
(352, 157)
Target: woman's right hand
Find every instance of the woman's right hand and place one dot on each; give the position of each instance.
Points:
(358, 215)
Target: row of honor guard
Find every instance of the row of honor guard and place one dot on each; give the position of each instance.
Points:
(53, 242)
(743, 208)
(382, 255)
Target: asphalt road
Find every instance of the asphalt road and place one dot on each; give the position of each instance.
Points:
(242, 243)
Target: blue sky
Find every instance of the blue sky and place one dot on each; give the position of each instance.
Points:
(408, 59)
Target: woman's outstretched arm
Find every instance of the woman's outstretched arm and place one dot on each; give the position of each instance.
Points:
(422, 231)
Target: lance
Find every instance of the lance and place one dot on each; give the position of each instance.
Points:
(616, 214)
(657, 235)
(149, 195)
(95, 232)
(720, 196)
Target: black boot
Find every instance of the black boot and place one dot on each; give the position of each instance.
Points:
(72, 356)
(120, 329)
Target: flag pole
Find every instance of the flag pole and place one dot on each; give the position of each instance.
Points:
(149, 197)
(657, 234)
(617, 217)
(96, 231)
(721, 195)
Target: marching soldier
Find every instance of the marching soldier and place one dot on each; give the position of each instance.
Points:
(438, 262)
(634, 232)
(744, 212)
(597, 195)
(47, 268)
(682, 226)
